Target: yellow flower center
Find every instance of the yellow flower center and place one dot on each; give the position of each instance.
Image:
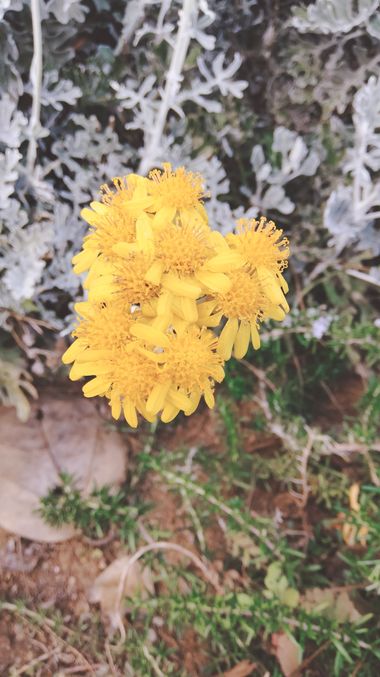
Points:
(131, 287)
(134, 376)
(105, 327)
(260, 244)
(245, 299)
(118, 197)
(116, 226)
(179, 189)
(191, 360)
(182, 248)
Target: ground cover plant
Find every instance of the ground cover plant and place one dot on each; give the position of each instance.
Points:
(242, 539)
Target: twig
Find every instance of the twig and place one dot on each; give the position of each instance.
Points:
(260, 374)
(173, 78)
(196, 521)
(334, 401)
(36, 80)
(363, 276)
(305, 663)
(99, 542)
(152, 661)
(158, 545)
(303, 460)
(371, 467)
(304, 626)
(110, 660)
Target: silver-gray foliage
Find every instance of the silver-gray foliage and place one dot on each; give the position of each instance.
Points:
(352, 207)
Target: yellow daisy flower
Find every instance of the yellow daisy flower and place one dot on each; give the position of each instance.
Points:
(112, 220)
(102, 330)
(264, 252)
(105, 349)
(133, 378)
(159, 282)
(244, 305)
(189, 365)
(175, 193)
(124, 281)
(185, 262)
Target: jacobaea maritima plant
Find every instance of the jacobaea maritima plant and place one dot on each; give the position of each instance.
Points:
(160, 284)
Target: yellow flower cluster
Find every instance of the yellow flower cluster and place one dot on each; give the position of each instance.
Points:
(160, 282)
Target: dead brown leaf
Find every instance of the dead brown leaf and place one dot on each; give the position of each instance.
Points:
(62, 435)
(287, 651)
(105, 589)
(336, 605)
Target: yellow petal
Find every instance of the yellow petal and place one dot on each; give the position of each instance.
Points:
(285, 304)
(146, 414)
(76, 372)
(217, 282)
(84, 309)
(164, 216)
(99, 207)
(157, 398)
(164, 304)
(219, 242)
(125, 249)
(154, 273)
(255, 336)
(169, 413)
(194, 399)
(189, 309)
(181, 287)
(130, 413)
(102, 289)
(202, 212)
(275, 313)
(161, 322)
(144, 232)
(242, 340)
(209, 398)
(271, 286)
(223, 263)
(93, 273)
(91, 217)
(97, 386)
(179, 399)
(150, 335)
(283, 283)
(218, 373)
(73, 351)
(227, 338)
(115, 407)
(83, 260)
(91, 355)
(135, 206)
(80, 369)
(158, 358)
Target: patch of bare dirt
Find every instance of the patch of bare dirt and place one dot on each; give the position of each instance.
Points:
(201, 429)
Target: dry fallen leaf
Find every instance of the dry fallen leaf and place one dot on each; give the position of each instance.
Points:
(242, 669)
(336, 605)
(61, 435)
(287, 651)
(105, 589)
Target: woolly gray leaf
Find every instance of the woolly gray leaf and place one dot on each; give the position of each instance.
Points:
(333, 16)
(12, 123)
